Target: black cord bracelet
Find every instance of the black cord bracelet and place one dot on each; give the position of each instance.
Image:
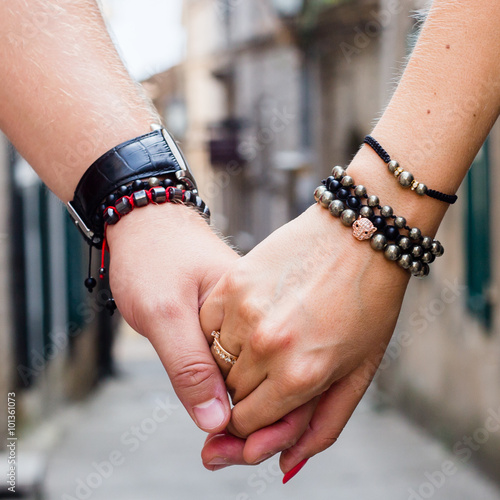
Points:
(405, 178)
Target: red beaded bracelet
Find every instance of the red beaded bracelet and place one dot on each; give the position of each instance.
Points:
(126, 203)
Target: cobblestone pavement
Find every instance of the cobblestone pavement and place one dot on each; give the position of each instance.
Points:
(132, 440)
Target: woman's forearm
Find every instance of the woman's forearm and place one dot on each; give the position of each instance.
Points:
(65, 96)
(324, 332)
(442, 110)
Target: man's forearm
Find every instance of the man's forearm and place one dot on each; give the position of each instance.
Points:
(65, 96)
(445, 105)
(65, 99)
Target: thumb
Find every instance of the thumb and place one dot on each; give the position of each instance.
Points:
(195, 376)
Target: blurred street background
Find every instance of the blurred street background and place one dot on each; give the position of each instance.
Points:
(381, 456)
(264, 96)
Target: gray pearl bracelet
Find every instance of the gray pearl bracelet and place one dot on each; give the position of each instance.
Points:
(411, 250)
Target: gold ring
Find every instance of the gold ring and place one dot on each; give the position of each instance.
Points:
(220, 351)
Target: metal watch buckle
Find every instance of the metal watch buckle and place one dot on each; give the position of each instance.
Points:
(184, 175)
(79, 222)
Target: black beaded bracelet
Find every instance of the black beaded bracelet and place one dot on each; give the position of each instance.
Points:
(144, 191)
(136, 195)
(148, 168)
(343, 198)
(113, 211)
(404, 177)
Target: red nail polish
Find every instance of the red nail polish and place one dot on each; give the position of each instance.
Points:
(293, 472)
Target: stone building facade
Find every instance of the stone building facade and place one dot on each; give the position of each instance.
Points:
(274, 93)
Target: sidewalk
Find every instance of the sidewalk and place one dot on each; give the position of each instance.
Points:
(133, 441)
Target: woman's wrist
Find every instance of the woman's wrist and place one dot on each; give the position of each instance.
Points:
(370, 171)
(373, 220)
(342, 247)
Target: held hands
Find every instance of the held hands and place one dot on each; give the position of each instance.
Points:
(308, 312)
(160, 275)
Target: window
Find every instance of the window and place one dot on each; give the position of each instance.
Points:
(477, 234)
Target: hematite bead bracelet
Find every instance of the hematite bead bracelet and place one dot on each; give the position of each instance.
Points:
(343, 198)
(153, 190)
(138, 194)
(404, 177)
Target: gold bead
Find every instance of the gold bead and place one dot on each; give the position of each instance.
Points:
(414, 184)
(398, 171)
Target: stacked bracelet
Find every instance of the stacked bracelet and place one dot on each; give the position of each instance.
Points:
(147, 169)
(404, 177)
(155, 154)
(144, 191)
(120, 204)
(412, 251)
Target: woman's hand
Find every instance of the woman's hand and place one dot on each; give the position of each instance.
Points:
(224, 449)
(307, 312)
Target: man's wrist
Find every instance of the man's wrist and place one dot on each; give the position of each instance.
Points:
(104, 140)
(167, 218)
(148, 168)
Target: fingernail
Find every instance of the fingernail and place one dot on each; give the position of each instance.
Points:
(210, 414)
(218, 461)
(262, 458)
(293, 472)
(214, 436)
(219, 467)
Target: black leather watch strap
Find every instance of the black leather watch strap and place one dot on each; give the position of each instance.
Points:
(152, 154)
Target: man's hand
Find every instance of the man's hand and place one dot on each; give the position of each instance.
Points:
(164, 262)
